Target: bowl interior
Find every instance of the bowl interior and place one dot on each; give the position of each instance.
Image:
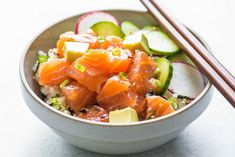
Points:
(48, 38)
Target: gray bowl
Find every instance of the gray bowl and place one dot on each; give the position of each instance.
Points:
(97, 136)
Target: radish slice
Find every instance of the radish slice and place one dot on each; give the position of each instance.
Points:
(87, 20)
(187, 80)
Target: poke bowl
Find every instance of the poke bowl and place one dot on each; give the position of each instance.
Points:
(148, 94)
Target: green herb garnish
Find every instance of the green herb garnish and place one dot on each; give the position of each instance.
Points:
(55, 103)
(152, 115)
(122, 75)
(42, 58)
(116, 51)
(101, 39)
(173, 102)
(64, 83)
(80, 67)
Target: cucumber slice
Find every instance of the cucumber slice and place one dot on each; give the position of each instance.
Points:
(145, 45)
(105, 28)
(161, 44)
(152, 28)
(180, 57)
(128, 28)
(166, 72)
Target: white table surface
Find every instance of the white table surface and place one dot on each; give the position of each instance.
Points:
(22, 134)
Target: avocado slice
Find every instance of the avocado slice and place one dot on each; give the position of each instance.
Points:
(125, 115)
(74, 50)
(133, 41)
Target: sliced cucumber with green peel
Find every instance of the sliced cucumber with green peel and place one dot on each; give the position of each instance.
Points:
(180, 57)
(165, 75)
(152, 28)
(105, 28)
(144, 43)
(128, 28)
(161, 44)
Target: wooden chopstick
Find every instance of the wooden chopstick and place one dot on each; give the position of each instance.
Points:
(215, 78)
(196, 44)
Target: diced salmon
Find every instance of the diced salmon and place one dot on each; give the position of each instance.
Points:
(60, 45)
(117, 102)
(114, 41)
(53, 72)
(141, 71)
(157, 107)
(113, 87)
(78, 96)
(116, 95)
(96, 62)
(119, 66)
(140, 104)
(109, 41)
(94, 113)
(119, 60)
(88, 37)
(93, 83)
(112, 94)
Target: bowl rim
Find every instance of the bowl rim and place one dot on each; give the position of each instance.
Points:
(77, 119)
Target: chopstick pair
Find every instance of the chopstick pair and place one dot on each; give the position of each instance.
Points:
(205, 61)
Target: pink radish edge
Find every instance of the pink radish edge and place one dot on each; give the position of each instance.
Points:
(91, 13)
(202, 76)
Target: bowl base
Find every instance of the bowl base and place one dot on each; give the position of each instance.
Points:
(110, 147)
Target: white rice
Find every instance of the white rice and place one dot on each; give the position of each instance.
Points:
(35, 66)
(67, 112)
(50, 91)
(52, 54)
(54, 91)
(62, 103)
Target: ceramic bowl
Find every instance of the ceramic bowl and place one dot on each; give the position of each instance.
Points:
(97, 136)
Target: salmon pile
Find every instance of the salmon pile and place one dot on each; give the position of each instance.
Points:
(107, 77)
